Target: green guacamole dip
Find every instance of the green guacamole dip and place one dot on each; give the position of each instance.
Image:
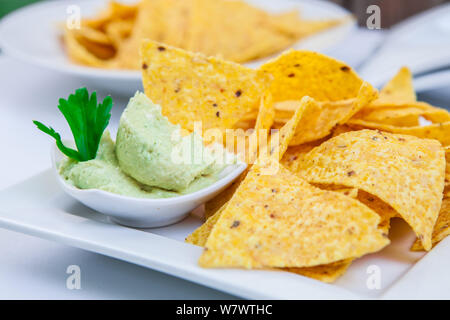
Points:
(141, 163)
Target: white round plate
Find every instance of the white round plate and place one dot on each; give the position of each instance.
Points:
(33, 34)
(142, 212)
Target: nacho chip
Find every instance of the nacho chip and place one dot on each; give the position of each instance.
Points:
(347, 191)
(402, 114)
(92, 35)
(115, 11)
(343, 128)
(191, 87)
(323, 119)
(285, 109)
(264, 121)
(441, 228)
(201, 234)
(326, 272)
(292, 24)
(385, 211)
(118, 31)
(403, 171)
(245, 36)
(282, 221)
(282, 138)
(399, 89)
(285, 135)
(78, 53)
(305, 73)
(437, 131)
(294, 154)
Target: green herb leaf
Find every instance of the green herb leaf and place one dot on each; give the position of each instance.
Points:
(86, 120)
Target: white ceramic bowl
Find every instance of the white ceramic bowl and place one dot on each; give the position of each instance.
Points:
(32, 34)
(146, 213)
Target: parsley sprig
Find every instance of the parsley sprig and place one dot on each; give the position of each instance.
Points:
(87, 121)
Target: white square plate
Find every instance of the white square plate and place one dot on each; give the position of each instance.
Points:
(38, 207)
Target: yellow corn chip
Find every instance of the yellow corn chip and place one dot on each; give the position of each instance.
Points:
(287, 132)
(293, 25)
(385, 211)
(294, 154)
(264, 121)
(285, 109)
(326, 272)
(201, 234)
(347, 191)
(279, 143)
(282, 221)
(402, 115)
(399, 88)
(149, 25)
(305, 73)
(437, 131)
(403, 171)
(92, 35)
(441, 228)
(118, 31)
(191, 87)
(343, 128)
(114, 11)
(322, 120)
(79, 53)
(234, 30)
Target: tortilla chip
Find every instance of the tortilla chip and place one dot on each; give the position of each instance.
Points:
(385, 211)
(278, 144)
(294, 154)
(347, 191)
(92, 35)
(149, 24)
(114, 11)
(191, 87)
(343, 128)
(292, 24)
(244, 37)
(79, 53)
(305, 73)
(321, 122)
(399, 89)
(118, 31)
(263, 122)
(285, 109)
(403, 171)
(326, 272)
(402, 114)
(441, 228)
(437, 131)
(282, 221)
(201, 234)
(285, 135)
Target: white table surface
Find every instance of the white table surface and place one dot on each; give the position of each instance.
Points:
(31, 268)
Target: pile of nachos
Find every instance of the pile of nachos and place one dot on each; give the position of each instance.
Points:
(348, 158)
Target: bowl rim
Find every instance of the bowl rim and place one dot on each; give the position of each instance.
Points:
(237, 169)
